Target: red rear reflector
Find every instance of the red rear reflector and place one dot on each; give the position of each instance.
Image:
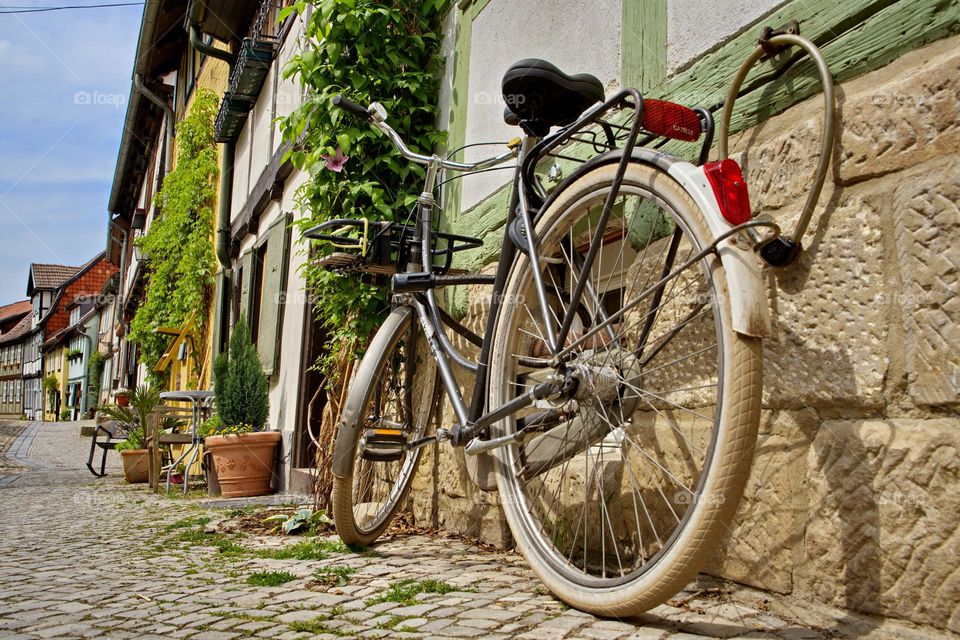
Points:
(670, 120)
(730, 188)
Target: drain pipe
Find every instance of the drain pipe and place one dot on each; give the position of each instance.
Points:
(196, 41)
(226, 158)
(118, 304)
(225, 198)
(224, 202)
(170, 117)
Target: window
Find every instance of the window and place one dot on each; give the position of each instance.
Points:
(261, 287)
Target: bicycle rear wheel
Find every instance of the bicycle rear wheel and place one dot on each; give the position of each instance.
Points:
(388, 405)
(617, 498)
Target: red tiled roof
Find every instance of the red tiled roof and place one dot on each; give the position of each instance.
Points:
(15, 309)
(19, 330)
(51, 276)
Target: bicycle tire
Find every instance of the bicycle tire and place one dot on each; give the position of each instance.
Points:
(388, 350)
(536, 511)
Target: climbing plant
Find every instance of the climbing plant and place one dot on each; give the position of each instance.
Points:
(367, 50)
(94, 374)
(179, 252)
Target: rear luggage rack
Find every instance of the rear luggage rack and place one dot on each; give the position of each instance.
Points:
(609, 127)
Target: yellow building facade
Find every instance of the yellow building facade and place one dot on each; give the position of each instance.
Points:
(54, 368)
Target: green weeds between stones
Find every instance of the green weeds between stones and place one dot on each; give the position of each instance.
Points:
(405, 592)
(270, 578)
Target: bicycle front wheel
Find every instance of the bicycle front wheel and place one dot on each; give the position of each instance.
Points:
(388, 405)
(618, 493)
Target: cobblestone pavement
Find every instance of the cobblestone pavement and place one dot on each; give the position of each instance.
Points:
(97, 558)
(9, 432)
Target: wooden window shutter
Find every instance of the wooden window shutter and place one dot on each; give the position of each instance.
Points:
(274, 293)
(246, 284)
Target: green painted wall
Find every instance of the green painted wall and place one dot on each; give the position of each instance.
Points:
(856, 36)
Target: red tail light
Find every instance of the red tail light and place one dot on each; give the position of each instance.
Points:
(670, 120)
(730, 188)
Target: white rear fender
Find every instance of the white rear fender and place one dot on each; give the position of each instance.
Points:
(748, 300)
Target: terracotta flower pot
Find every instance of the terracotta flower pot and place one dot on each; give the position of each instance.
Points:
(134, 465)
(244, 462)
(123, 401)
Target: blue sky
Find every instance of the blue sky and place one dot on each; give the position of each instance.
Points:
(66, 79)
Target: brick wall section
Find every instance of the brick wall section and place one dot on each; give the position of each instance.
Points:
(89, 283)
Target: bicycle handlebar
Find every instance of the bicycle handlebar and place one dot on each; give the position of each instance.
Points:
(377, 116)
(351, 107)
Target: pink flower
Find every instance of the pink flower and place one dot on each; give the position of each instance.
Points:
(336, 162)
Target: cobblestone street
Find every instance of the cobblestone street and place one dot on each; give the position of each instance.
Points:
(98, 558)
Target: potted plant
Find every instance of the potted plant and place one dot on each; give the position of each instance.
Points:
(122, 397)
(242, 451)
(176, 477)
(134, 456)
(132, 417)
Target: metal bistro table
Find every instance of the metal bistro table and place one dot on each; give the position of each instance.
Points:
(200, 402)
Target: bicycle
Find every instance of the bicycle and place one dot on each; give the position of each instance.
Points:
(618, 382)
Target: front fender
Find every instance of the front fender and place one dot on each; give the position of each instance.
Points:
(348, 427)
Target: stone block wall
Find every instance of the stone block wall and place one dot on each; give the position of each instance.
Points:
(854, 497)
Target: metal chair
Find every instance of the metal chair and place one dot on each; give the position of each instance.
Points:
(114, 435)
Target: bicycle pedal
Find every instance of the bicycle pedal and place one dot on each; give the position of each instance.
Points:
(384, 445)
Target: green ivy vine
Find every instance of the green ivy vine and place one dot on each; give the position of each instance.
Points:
(180, 260)
(95, 368)
(369, 50)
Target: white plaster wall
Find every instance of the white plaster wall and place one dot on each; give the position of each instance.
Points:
(260, 121)
(446, 82)
(260, 136)
(287, 91)
(694, 27)
(579, 36)
(255, 147)
(285, 383)
(241, 171)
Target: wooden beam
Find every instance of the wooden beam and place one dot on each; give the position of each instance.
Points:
(643, 43)
(263, 193)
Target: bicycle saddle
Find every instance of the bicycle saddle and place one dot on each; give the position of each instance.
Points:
(541, 96)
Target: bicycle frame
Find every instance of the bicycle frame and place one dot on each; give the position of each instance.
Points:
(471, 420)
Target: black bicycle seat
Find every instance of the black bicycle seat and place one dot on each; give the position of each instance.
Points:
(542, 96)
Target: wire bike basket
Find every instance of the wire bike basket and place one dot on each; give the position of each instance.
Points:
(382, 248)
